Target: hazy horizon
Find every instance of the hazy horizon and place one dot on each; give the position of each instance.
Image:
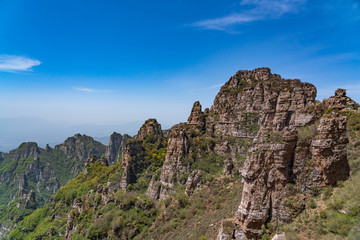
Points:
(95, 67)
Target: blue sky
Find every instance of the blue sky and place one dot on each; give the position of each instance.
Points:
(101, 66)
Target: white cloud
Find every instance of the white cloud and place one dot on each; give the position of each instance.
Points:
(259, 10)
(85, 89)
(90, 90)
(12, 63)
(223, 22)
(216, 86)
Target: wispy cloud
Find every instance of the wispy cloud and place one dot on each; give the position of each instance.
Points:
(256, 10)
(91, 90)
(12, 63)
(216, 86)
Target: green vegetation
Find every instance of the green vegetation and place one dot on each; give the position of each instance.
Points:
(41, 176)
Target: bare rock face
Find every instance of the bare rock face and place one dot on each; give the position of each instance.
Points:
(26, 200)
(340, 101)
(79, 147)
(133, 152)
(241, 103)
(27, 150)
(295, 148)
(151, 126)
(115, 150)
(174, 165)
(197, 117)
(133, 160)
(192, 182)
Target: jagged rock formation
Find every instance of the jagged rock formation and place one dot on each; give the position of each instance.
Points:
(174, 166)
(281, 157)
(26, 150)
(197, 117)
(79, 147)
(134, 161)
(151, 126)
(293, 146)
(30, 175)
(115, 150)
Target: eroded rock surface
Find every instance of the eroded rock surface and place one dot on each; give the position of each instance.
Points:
(296, 147)
(134, 161)
(115, 150)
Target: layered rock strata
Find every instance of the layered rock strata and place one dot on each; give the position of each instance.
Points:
(296, 146)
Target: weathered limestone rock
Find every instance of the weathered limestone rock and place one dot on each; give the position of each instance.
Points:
(26, 200)
(248, 95)
(115, 150)
(340, 101)
(290, 149)
(78, 147)
(154, 189)
(174, 165)
(329, 149)
(133, 149)
(193, 181)
(151, 126)
(197, 117)
(133, 160)
(27, 150)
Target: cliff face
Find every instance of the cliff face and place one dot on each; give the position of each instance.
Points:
(296, 146)
(135, 160)
(115, 150)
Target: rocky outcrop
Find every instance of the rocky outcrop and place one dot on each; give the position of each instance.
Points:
(26, 150)
(115, 150)
(296, 147)
(151, 126)
(26, 200)
(175, 164)
(93, 159)
(340, 101)
(197, 117)
(79, 147)
(134, 161)
(192, 182)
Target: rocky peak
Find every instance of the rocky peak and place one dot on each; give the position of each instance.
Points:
(292, 135)
(197, 117)
(251, 99)
(26, 150)
(151, 126)
(79, 147)
(116, 147)
(340, 101)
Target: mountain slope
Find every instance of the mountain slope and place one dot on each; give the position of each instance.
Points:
(242, 169)
(30, 175)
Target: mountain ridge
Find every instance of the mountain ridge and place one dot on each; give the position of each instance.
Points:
(264, 131)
